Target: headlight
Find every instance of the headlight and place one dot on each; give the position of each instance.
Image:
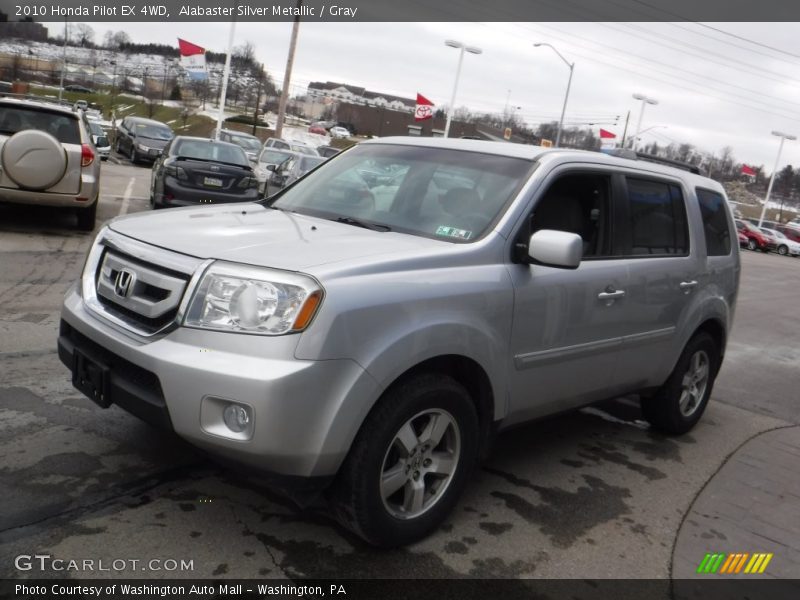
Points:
(253, 300)
(143, 148)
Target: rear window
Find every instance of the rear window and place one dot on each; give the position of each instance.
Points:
(212, 151)
(715, 222)
(63, 127)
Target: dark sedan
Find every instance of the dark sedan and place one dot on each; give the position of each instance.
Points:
(200, 171)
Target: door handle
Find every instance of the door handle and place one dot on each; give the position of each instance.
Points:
(687, 286)
(610, 295)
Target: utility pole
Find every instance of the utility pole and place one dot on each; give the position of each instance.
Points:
(287, 76)
(625, 131)
(258, 97)
(63, 63)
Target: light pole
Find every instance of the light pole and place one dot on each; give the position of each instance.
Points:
(566, 96)
(462, 48)
(645, 101)
(784, 137)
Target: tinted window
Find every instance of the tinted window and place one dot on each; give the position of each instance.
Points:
(153, 132)
(61, 126)
(657, 218)
(715, 222)
(273, 157)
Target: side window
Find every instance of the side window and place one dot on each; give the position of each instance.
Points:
(657, 218)
(578, 203)
(715, 222)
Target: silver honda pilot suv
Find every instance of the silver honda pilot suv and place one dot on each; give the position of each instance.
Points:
(364, 332)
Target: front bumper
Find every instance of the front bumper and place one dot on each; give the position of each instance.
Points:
(305, 413)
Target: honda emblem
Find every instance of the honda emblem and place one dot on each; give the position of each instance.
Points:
(124, 282)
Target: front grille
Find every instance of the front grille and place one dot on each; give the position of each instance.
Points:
(144, 295)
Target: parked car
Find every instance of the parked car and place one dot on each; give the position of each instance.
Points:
(326, 151)
(327, 345)
(298, 147)
(47, 158)
(195, 170)
(267, 161)
(318, 129)
(81, 105)
(743, 241)
(783, 245)
(289, 171)
(791, 232)
(249, 143)
(339, 133)
(772, 240)
(100, 139)
(142, 139)
(74, 87)
(756, 240)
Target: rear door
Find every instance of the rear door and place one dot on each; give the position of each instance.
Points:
(665, 267)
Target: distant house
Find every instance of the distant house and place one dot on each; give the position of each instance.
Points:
(342, 92)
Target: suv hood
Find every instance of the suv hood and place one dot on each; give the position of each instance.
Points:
(253, 234)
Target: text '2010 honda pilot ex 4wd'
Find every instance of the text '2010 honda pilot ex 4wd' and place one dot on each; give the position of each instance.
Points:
(366, 330)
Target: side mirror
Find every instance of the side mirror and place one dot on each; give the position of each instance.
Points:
(271, 168)
(556, 248)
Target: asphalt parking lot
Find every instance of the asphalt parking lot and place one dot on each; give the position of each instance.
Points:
(590, 494)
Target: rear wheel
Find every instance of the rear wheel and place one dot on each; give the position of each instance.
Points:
(751, 244)
(678, 405)
(87, 217)
(410, 461)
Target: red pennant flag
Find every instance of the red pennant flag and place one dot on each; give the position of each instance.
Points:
(748, 171)
(189, 49)
(607, 134)
(424, 108)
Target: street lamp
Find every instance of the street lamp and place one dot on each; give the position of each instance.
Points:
(784, 137)
(645, 101)
(566, 96)
(462, 48)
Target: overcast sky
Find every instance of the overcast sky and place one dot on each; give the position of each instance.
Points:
(713, 89)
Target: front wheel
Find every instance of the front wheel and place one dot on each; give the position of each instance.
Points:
(752, 244)
(410, 461)
(678, 405)
(783, 250)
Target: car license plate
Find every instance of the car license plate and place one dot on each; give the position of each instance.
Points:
(212, 181)
(91, 378)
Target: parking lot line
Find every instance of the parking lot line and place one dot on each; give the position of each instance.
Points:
(126, 198)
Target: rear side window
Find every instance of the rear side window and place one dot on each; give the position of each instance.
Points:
(715, 222)
(657, 219)
(61, 126)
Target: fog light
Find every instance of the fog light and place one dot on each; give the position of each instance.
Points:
(236, 417)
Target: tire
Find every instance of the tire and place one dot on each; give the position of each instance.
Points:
(678, 405)
(87, 217)
(751, 244)
(783, 250)
(393, 518)
(133, 155)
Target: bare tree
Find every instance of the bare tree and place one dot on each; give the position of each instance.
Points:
(82, 35)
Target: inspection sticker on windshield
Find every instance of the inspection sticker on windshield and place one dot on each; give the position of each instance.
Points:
(453, 232)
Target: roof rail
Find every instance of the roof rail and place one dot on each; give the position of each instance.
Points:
(633, 155)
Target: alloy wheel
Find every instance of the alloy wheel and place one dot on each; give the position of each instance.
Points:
(694, 384)
(420, 463)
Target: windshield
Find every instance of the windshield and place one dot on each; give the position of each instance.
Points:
(443, 194)
(154, 132)
(304, 149)
(309, 162)
(16, 118)
(212, 151)
(248, 143)
(273, 157)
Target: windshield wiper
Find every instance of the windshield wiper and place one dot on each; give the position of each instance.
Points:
(364, 224)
